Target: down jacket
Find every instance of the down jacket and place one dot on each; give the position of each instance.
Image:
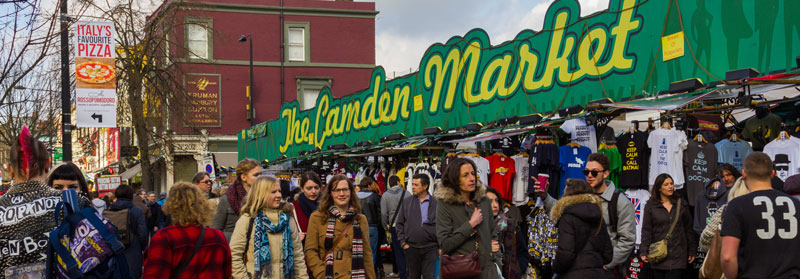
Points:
(583, 242)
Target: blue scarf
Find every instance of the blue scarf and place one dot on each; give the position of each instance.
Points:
(263, 259)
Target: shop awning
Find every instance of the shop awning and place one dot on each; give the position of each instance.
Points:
(663, 102)
(131, 172)
(486, 136)
(228, 159)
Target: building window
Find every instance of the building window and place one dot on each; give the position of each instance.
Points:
(308, 89)
(297, 41)
(198, 38)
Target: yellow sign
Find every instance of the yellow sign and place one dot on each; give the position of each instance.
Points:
(672, 46)
(418, 103)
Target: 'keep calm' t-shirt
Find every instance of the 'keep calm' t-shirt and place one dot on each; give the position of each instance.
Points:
(766, 224)
(700, 160)
(635, 155)
(666, 149)
(733, 152)
(581, 133)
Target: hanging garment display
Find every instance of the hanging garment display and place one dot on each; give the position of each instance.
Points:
(709, 125)
(700, 162)
(542, 237)
(544, 159)
(666, 147)
(713, 196)
(785, 153)
(639, 198)
(733, 152)
(762, 129)
(635, 165)
(509, 145)
(572, 160)
(520, 187)
(502, 170)
(581, 133)
(614, 162)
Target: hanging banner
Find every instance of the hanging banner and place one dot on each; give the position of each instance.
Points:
(570, 60)
(95, 75)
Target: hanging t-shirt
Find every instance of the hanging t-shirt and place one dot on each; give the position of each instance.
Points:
(635, 155)
(700, 161)
(761, 131)
(509, 145)
(639, 198)
(785, 154)
(544, 159)
(615, 164)
(667, 147)
(519, 194)
(502, 170)
(733, 152)
(410, 172)
(572, 161)
(710, 126)
(581, 133)
(483, 168)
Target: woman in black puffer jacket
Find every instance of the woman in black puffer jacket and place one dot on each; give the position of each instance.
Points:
(583, 242)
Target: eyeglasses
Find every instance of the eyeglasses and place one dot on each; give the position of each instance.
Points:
(206, 182)
(593, 172)
(340, 190)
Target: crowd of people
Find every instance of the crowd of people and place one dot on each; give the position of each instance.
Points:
(463, 229)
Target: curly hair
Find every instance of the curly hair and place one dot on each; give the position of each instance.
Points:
(187, 205)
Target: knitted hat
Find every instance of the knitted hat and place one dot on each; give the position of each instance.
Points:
(792, 185)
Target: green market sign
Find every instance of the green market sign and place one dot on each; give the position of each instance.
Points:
(634, 48)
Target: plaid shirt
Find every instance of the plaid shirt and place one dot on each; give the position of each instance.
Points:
(169, 246)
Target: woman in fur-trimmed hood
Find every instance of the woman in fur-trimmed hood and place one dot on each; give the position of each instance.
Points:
(464, 216)
(583, 242)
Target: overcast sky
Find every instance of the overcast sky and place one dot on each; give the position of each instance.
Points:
(404, 29)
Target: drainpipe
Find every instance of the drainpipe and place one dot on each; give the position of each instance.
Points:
(283, 56)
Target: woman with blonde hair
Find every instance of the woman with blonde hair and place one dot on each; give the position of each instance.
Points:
(337, 242)
(266, 242)
(228, 209)
(172, 252)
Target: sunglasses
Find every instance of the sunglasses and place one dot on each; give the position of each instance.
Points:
(593, 172)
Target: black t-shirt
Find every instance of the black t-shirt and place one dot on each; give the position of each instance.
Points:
(767, 224)
(544, 159)
(509, 145)
(635, 159)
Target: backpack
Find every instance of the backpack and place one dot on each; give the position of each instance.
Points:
(122, 221)
(84, 245)
(613, 219)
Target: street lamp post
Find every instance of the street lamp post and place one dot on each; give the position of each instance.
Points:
(66, 108)
(249, 38)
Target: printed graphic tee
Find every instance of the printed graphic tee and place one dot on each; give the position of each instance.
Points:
(634, 173)
(700, 161)
(544, 159)
(572, 161)
(785, 154)
(733, 152)
(766, 223)
(502, 170)
(520, 192)
(581, 133)
(639, 198)
(666, 148)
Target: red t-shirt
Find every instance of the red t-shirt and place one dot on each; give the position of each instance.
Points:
(501, 173)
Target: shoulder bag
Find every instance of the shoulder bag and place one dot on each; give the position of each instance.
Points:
(463, 266)
(658, 250)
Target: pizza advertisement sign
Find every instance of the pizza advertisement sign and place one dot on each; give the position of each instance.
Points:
(95, 75)
(204, 103)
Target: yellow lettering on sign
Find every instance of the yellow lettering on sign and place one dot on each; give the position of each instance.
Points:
(672, 46)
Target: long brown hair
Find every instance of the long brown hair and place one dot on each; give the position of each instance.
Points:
(327, 197)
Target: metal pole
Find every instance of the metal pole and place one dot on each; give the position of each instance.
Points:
(252, 92)
(66, 108)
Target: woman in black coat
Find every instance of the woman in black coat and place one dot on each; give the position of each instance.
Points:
(583, 242)
(658, 216)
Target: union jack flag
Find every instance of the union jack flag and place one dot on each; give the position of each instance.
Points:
(637, 206)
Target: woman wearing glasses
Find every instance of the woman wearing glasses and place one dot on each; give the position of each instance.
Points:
(337, 242)
(229, 205)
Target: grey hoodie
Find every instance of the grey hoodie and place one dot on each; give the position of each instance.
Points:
(389, 202)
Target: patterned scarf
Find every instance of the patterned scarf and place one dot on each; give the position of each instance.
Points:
(263, 259)
(236, 194)
(357, 262)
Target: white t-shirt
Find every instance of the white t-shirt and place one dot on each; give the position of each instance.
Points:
(666, 155)
(520, 191)
(639, 198)
(483, 168)
(785, 154)
(410, 172)
(581, 133)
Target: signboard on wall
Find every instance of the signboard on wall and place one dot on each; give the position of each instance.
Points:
(95, 75)
(613, 54)
(108, 183)
(204, 103)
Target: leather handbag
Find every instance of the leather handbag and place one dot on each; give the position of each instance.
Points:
(658, 250)
(462, 266)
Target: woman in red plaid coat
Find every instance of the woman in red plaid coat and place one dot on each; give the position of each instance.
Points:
(171, 250)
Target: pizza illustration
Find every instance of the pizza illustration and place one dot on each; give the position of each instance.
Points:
(94, 72)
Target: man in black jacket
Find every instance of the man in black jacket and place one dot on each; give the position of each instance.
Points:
(416, 229)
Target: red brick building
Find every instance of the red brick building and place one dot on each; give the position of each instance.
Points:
(325, 43)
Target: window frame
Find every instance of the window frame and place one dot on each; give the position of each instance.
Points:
(306, 41)
(209, 26)
(313, 83)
